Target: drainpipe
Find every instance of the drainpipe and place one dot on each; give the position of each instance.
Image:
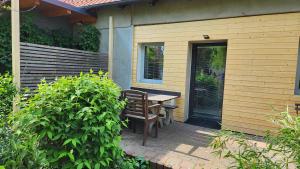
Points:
(15, 40)
(111, 46)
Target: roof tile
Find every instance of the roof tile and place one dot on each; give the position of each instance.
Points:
(80, 3)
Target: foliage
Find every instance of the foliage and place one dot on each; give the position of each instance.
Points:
(7, 92)
(133, 163)
(21, 150)
(208, 81)
(87, 38)
(61, 38)
(218, 58)
(5, 43)
(281, 150)
(20, 146)
(29, 32)
(75, 121)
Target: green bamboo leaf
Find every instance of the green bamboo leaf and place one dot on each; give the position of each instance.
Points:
(67, 142)
(97, 166)
(71, 156)
(87, 164)
(49, 133)
(80, 166)
(101, 150)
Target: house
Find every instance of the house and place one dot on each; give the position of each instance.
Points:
(234, 62)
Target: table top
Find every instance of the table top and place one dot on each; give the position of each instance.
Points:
(160, 97)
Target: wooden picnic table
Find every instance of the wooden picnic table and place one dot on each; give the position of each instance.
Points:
(160, 99)
(161, 96)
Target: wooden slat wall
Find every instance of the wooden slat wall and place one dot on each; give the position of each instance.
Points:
(40, 61)
(260, 68)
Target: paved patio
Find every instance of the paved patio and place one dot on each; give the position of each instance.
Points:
(178, 145)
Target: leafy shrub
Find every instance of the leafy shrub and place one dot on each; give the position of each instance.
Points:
(17, 149)
(5, 43)
(87, 38)
(7, 93)
(281, 151)
(21, 150)
(76, 120)
(133, 163)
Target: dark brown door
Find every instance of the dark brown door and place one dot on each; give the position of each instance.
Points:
(207, 84)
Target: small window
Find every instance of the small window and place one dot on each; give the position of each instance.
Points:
(150, 68)
(297, 87)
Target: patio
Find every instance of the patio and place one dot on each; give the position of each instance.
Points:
(178, 145)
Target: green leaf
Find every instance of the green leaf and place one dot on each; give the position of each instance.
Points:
(56, 137)
(87, 164)
(62, 154)
(97, 166)
(67, 142)
(49, 133)
(80, 166)
(71, 156)
(101, 150)
(74, 142)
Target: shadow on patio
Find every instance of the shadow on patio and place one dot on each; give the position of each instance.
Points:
(178, 145)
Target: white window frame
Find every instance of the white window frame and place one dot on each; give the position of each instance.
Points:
(141, 63)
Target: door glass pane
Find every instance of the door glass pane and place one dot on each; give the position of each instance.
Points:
(208, 82)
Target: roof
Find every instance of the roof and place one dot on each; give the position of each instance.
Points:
(68, 6)
(81, 3)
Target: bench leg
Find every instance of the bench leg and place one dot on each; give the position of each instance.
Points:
(161, 123)
(167, 120)
(171, 116)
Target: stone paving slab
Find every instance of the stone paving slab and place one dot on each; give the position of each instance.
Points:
(179, 145)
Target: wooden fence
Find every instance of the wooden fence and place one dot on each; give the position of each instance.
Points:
(40, 61)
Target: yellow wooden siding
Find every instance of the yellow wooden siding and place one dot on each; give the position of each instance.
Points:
(260, 67)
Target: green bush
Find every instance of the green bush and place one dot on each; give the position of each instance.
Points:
(76, 120)
(21, 150)
(5, 43)
(133, 163)
(7, 92)
(88, 38)
(282, 150)
(18, 149)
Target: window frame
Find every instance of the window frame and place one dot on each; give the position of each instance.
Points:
(141, 63)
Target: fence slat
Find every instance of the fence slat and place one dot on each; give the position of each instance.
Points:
(40, 61)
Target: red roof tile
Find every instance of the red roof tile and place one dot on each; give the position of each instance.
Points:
(80, 3)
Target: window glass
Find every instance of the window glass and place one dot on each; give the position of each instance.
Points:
(151, 66)
(153, 62)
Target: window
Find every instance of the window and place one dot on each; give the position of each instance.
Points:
(297, 87)
(150, 68)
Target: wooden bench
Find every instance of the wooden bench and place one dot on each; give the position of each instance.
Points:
(169, 113)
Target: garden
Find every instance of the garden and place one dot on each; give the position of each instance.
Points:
(73, 122)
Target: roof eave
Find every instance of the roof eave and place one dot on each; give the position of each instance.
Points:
(115, 3)
(68, 6)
